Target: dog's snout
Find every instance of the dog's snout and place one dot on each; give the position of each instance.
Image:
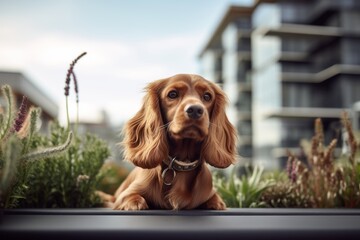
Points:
(194, 111)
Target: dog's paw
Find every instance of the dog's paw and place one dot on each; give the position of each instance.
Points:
(131, 203)
(138, 204)
(105, 197)
(215, 203)
(107, 200)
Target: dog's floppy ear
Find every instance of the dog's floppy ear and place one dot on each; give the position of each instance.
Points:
(145, 139)
(219, 148)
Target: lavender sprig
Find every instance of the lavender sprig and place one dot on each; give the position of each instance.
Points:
(75, 86)
(77, 100)
(21, 116)
(69, 72)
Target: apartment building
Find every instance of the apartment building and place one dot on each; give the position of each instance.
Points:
(283, 64)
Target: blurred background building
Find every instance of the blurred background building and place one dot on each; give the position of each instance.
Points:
(284, 63)
(23, 86)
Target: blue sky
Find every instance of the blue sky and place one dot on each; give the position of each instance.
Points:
(129, 44)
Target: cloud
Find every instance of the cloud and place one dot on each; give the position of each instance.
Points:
(113, 74)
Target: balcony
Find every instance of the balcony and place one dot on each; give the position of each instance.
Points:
(300, 112)
(322, 75)
(245, 87)
(301, 57)
(297, 30)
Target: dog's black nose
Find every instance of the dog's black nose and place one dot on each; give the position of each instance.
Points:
(194, 111)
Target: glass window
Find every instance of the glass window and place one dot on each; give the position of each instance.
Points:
(295, 11)
(244, 102)
(351, 51)
(244, 128)
(266, 15)
(297, 95)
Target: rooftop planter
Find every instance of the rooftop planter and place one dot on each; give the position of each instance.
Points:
(243, 223)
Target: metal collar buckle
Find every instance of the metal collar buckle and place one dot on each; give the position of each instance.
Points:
(170, 167)
(175, 165)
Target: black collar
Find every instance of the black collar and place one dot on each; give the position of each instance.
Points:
(175, 165)
(181, 166)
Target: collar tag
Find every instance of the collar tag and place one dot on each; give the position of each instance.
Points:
(163, 174)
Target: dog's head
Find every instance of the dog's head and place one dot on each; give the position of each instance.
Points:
(181, 107)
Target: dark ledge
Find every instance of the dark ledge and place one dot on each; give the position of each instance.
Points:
(247, 223)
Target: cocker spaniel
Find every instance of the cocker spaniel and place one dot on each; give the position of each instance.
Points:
(181, 127)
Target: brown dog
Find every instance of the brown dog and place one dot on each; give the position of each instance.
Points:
(181, 126)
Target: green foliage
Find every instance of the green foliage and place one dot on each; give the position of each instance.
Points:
(114, 175)
(321, 182)
(36, 171)
(7, 119)
(67, 180)
(16, 151)
(284, 195)
(243, 192)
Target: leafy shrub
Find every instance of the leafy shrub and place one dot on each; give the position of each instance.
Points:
(320, 182)
(18, 149)
(68, 180)
(285, 195)
(59, 170)
(243, 192)
(113, 176)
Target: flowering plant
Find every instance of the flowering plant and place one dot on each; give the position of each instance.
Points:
(322, 181)
(54, 170)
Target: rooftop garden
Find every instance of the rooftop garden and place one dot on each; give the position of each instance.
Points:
(61, 169)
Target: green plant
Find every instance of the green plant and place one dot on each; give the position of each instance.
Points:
(348, 175)
(243, 192)
(32, 170)
(17, 151)
(284, 194)
(114, 174)
(67, 180)
(70, 73)
(320, 182)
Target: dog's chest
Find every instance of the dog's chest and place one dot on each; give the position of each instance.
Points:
(187, 191)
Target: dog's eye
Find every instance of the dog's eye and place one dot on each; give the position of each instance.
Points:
(207, 97)
(173, 94)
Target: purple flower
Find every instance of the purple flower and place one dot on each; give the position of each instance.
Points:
(289, 166)
(70, 72)
(75, 86)
(293, 175)
(20, 119)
